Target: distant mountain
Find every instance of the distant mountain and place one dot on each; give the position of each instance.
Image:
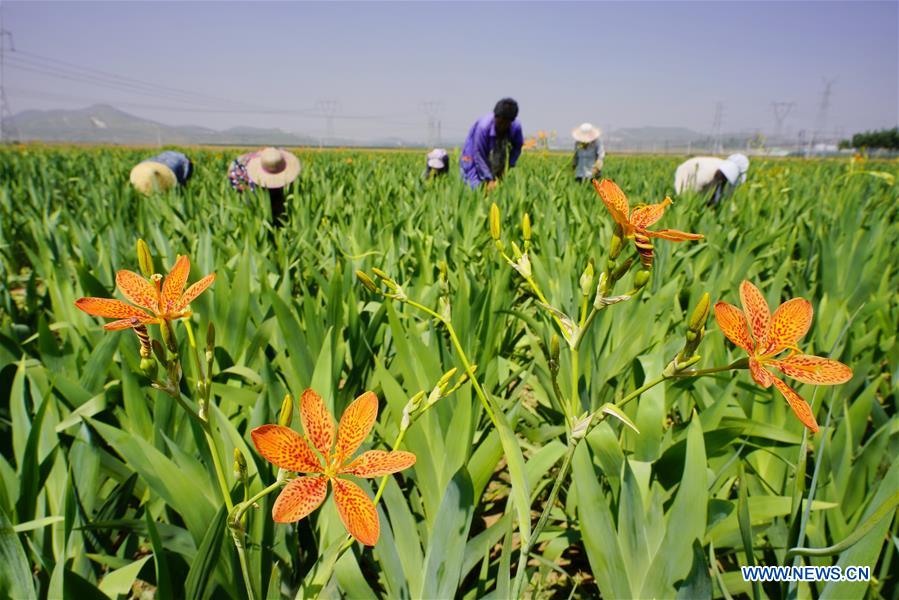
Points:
(669, 138)
(102, 123)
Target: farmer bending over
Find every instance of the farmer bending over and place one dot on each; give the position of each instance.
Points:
(493, 142)
(161, 172)
(710, 175)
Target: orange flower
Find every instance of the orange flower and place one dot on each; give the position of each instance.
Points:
(164, 299)
(771, 335)
(285, 448)
(634, 224)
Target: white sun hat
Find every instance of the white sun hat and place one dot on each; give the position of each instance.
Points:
(742, 163)
(437, 158)
(150, 176)
(730, 170)
(273, 168)
(585, 133)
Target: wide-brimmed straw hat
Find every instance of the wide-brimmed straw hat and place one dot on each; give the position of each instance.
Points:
(151, 176)
(273, 168)
(585, 133)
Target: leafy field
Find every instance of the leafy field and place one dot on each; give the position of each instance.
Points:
(546, 474)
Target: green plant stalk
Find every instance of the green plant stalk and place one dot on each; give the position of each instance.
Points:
(482, 396)
(204, 388)
(544, 517)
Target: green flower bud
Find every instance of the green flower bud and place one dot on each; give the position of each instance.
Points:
(587, 279)
(149, 367)
(144, 258)
(286, 414)
(240, 464)
(494, 221)
(366, 281)
(616, 244)
(700, 313)
(622, 269)
(526, 227)
(641, 279)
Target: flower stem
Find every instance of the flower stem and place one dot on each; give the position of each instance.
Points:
(544, 517)
(203, 389)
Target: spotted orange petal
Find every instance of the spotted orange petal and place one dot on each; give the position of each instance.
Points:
(791, 321)
(126, 323)
(110, 308)
(800, 407)
(759, 374)
(174, 284)
(317, 422)
(137, 289)
(299, 498)
(376, 463)
(357, 511)
(615, 201)
(355, 423)
(647, 215)
(194, 291)
(814, 369)
(757, 313)
(285, 448)
(733, 324)
(673, 235)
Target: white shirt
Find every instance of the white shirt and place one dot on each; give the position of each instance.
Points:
(586, 157)
(696, 174)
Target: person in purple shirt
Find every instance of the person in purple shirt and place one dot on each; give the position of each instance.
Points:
(493, 142)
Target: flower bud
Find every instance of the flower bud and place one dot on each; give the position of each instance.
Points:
(286, 414)
(516, 251)
(494, 221)
(149, 367)
(641, 279)
(700, 314)
(526, 227)
(144, 258)
(366, 281)
(444, 381)
(622, 269)
(168, 336)
(587, 279)
(616, 243)
(387, 279)
(240, 464)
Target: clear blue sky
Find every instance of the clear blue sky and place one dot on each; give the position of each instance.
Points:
(616, 64)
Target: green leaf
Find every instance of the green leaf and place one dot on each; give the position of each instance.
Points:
(446, 551)
(202, 569)
(685, 521)
(119, 581)
(598, 529)
(15, 572)
(163, 578)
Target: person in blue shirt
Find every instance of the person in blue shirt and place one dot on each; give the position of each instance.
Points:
(493, 144)
(162, 172)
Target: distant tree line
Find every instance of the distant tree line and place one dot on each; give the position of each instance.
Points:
(885, 138)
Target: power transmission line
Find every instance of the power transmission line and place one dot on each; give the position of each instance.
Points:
(781, 110)
(432, 108)
(5, 112)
